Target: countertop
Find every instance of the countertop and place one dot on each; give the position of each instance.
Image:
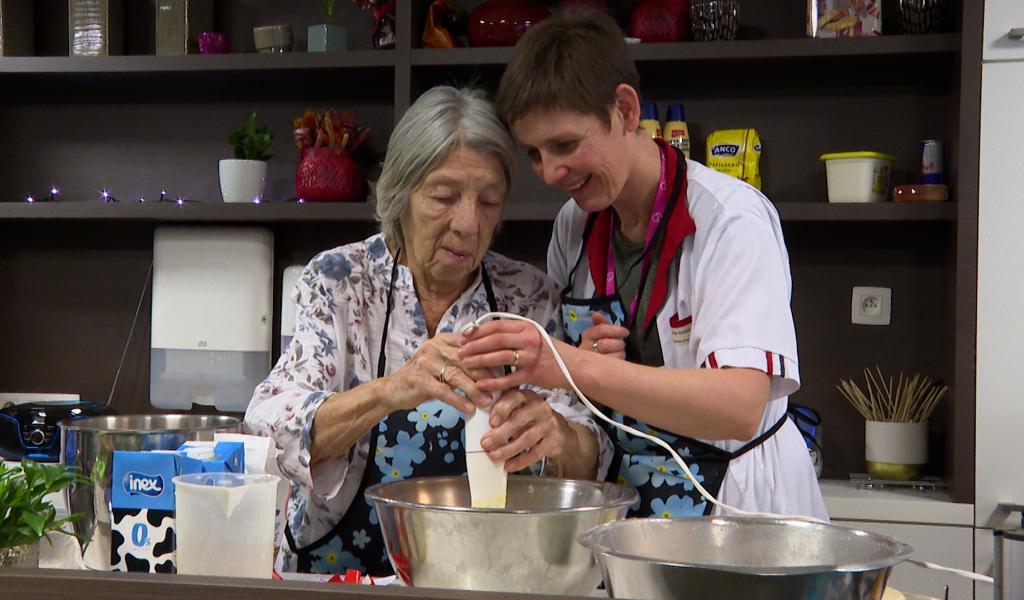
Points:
(899, 505)
(95, 585)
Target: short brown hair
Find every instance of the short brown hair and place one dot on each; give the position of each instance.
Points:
(570, 62)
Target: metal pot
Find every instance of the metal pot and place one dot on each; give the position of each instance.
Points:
(435, 539)
(89, 445)
(742, 557)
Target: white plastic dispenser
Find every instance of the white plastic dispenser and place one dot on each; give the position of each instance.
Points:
(211, 332)
(288, 306)
(488, 480)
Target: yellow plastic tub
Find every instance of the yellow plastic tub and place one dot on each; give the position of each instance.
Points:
(858, 176)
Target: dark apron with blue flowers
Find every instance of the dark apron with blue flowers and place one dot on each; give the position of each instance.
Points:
(427, 441)
(664, 489)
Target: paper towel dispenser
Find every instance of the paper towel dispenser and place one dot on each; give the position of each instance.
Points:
(211, 332)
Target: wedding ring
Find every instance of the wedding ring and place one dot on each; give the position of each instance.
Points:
(515, 358)
(440, 376)
(594, 346)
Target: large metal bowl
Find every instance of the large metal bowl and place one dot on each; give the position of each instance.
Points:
(742, 557)
(89, 444)
(435, 539)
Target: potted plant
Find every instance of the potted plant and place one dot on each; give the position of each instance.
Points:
(896, 411)
(327, 171)
(326, 37)
(27, 516)
(244, 178)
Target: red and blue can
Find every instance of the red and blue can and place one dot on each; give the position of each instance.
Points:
(931, 161)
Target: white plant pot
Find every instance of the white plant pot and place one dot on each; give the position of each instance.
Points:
(242, 180)
(895, 450)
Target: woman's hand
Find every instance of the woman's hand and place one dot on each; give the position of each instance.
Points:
(604, 338)
(525, 429)
(420, 379)
(512, 343)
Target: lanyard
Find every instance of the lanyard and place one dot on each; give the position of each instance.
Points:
(657, 216)
(382, 360)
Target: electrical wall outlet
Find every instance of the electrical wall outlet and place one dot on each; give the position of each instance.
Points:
(871, 306)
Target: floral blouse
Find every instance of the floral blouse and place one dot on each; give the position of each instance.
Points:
(341, 299)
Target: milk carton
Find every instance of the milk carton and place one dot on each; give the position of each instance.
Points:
(142, 511)
(212, 457)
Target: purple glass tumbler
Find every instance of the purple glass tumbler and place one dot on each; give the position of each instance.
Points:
(214, 42)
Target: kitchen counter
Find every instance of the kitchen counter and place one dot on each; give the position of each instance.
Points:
(93, 585)
(899, 505)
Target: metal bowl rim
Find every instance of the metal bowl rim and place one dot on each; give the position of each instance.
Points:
(903, 551)
(82, 424)
(629, 498)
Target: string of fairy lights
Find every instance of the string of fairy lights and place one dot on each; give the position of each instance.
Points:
(107, 196)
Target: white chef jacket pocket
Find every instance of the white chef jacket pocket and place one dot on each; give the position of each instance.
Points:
(679, 328)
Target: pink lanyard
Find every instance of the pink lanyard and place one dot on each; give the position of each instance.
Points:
(657, 212)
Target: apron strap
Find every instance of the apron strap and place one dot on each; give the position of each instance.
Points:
(754, 443)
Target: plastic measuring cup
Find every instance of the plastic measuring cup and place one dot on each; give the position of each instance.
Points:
(225, 524)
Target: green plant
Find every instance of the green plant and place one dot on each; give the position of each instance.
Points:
(329, 7)
(25, 514)
(251, 140)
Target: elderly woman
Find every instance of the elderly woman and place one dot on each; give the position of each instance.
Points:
(370, 389)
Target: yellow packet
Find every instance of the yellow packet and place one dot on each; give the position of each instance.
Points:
(736, 152)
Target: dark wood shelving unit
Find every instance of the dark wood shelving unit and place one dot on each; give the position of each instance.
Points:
(216, 212)
(684, 52)
(291, 61)
(139, 123)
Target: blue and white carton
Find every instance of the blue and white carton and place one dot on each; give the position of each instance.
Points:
(142, 501)
(212, 457)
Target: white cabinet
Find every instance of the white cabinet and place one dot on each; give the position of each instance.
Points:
(944, 545)
(1001, 18)
(983, 553)
(999, 463)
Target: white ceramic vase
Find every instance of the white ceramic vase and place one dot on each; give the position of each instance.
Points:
(896, 450)
(242, 180)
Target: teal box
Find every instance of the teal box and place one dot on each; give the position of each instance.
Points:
(221, 457)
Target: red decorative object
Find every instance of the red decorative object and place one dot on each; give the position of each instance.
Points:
(328, 175)
(503, 22)
(655, 21)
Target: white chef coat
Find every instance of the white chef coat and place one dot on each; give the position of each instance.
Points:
(729, 307)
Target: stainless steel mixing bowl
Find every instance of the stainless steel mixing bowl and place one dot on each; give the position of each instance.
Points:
(435, 539)
(742, 557)
(89, 445)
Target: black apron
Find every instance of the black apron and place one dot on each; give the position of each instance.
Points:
(664, 489)
(424, 442)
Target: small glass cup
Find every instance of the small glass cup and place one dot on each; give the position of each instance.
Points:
(713, 20)
(921, 16)
(214, 42)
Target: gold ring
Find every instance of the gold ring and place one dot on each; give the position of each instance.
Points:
(440, 376)
(515, 358)
(594, 346)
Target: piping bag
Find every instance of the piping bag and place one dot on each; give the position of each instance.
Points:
(488, 479)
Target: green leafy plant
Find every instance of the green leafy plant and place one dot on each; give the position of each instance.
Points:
(25, 515)
(251, 140)
(329, 8)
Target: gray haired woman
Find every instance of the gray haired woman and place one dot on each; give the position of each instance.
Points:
(371, 389)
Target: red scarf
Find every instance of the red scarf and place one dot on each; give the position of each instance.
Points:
(680, 225)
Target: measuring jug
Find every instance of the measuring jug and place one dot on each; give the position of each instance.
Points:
(225, 524)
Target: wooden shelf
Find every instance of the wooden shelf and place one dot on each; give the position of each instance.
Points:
(215, 212)
(883, 211)
(197, 63)
(948, 43)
